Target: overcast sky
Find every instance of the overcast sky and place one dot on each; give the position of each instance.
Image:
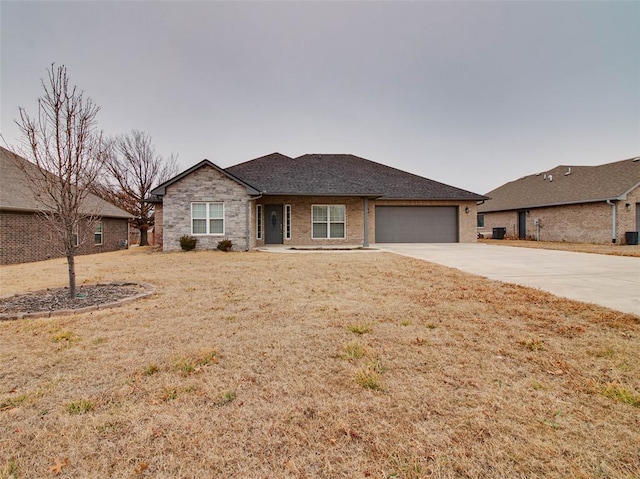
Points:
(472, 94)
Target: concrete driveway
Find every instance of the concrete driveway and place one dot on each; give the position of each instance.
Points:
(611, 281)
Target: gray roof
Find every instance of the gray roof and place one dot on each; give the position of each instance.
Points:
(341, 175)
(391, 182)
(564, 185)
(16, 192)
(277, 174)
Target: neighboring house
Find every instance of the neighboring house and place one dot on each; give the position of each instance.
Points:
(589, 204)
(25, 236)
(313, 200)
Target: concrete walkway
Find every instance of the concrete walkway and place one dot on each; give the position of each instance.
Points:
(611, 281)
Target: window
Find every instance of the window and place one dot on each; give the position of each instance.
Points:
(97, 233)
(287, 222)
(259, 222)
(328, 222)
(207, 218)
(480, 221)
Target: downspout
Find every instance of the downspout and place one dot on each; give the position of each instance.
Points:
(613, 221)
(365, 242)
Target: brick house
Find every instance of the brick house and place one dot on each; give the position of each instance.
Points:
(25, 236)
(314, 200)
(586, 204)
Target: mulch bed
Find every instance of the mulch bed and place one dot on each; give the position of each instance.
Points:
(87, 296)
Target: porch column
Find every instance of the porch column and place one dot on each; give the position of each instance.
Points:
(365, 242)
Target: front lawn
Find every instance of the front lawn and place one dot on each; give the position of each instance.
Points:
(315, 365)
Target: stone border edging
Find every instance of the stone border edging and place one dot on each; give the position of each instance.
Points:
(149, 291)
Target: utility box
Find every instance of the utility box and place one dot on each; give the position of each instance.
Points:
(499, 233)
(631, 237)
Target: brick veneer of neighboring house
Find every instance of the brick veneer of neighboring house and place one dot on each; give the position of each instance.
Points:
(568, 204)
(26, 237)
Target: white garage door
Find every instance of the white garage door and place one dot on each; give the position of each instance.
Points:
(416, 224)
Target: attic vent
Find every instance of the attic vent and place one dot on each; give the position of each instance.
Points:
(544, 177)
(637, 158)
(550, 178)
(568, 171)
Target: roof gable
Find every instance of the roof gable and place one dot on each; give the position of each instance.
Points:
(158, 192)
(16, 192)
(566, 184)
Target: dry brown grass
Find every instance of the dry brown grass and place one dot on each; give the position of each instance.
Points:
(453, 376)
(610, 249)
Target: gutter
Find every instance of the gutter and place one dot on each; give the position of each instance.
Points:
(613, 221)
(550, 205)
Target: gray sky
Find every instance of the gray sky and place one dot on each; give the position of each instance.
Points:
(472, 94)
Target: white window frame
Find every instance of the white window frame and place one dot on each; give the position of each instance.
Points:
(259, 222)
(287, 222)
(208, 218)
(96, 233)
(329, 222)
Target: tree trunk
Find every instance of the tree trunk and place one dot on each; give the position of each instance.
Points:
(143, 237)
(71, 261)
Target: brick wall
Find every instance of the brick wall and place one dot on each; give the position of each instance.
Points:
(582, 223)
(301, 219)
(205, 185)
(26, 237)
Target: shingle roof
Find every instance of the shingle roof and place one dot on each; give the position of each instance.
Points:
(16, 191)
(391, 182)
(564, 185)
(341, 175)
(277, 174)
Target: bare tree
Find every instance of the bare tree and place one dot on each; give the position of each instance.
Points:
(67, 152)
(134, 169)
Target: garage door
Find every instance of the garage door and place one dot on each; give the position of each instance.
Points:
(416, 224)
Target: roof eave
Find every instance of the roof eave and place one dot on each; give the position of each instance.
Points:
(424, 198)
(623, 196)
(17, 209)
(341, 195)
(549, 205)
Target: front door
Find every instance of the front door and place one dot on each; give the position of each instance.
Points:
(273, 224)
(522, 224)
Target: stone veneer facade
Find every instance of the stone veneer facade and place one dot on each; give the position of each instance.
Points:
(205, 185)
